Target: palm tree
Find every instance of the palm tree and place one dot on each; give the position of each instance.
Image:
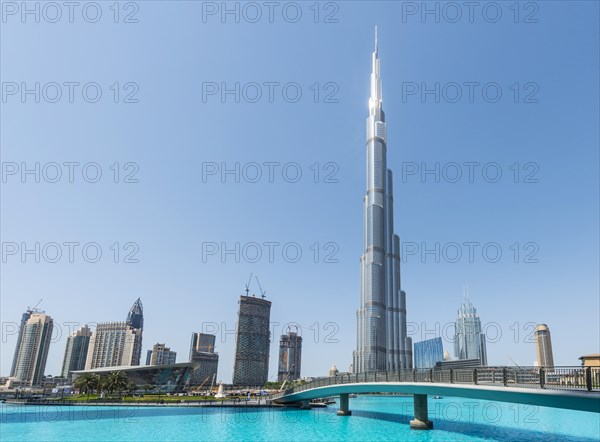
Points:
(116, 381)
(100, 383)
(131, 387)
(86, 382)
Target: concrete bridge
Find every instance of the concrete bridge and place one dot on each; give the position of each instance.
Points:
(574, 388)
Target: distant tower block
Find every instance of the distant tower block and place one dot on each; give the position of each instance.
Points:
(290, 356)
(543, 346)
(469, 339)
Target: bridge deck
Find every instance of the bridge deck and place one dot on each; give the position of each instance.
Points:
(575, 388)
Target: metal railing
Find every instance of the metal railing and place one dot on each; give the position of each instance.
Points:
(556, 378)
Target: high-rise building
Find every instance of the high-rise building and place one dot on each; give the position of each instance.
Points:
(114, 344)
(24, 319)
(543, 346)
(31, 358)
(135, 317)
(469, 341)
(251, 367)
(381, 318)
(206, 361)
(290, 356)
(162, 355)
(427, 353)
(333, 371)
(76, 351)
(202, 342)
(117, 343)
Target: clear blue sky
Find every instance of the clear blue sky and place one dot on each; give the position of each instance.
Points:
(171, 132)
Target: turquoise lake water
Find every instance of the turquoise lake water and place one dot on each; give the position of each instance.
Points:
(374, 418)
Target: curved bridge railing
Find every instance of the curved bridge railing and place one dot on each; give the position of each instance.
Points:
(557, 378)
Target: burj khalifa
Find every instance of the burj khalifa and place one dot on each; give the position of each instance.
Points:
(382, 343)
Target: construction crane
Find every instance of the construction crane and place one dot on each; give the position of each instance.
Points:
(212, 382)
(287, 376)
(35, 307)
(263, 292)
(248, 284)
(199, 387)
(513, 361)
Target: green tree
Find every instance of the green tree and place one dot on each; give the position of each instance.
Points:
(131, 387)
(86, 382)
(116, 381)
(100, 384)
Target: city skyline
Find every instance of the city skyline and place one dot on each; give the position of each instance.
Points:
(468, 343)
(366, 159)
(167, 223)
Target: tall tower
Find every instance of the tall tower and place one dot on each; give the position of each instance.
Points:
(76, 351)
(33, 350)
(24, 319)
(543, 346)
(469, 341)
(382, 343)
(251, 367)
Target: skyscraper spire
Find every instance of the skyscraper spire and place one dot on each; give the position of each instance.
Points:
(382, 343)
(375, 98)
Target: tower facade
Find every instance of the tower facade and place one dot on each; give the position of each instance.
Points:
(382, 343)
(251, 367)
(76, 351)
(428, 352)
(117, 343)
(162, 355)
(469, 341)
(206, 361)
(203, 342)
(135, 317)
(543, 346)
(290, 357)
(114, 344)
(31, 358)
(24, 319)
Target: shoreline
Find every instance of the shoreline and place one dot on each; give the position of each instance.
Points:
(148, 404)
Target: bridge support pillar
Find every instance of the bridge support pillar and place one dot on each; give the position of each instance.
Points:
(344, 405)
(421, 420)
(305, 405)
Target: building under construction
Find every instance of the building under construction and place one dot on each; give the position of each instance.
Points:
(290, 355)
(251, 367)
